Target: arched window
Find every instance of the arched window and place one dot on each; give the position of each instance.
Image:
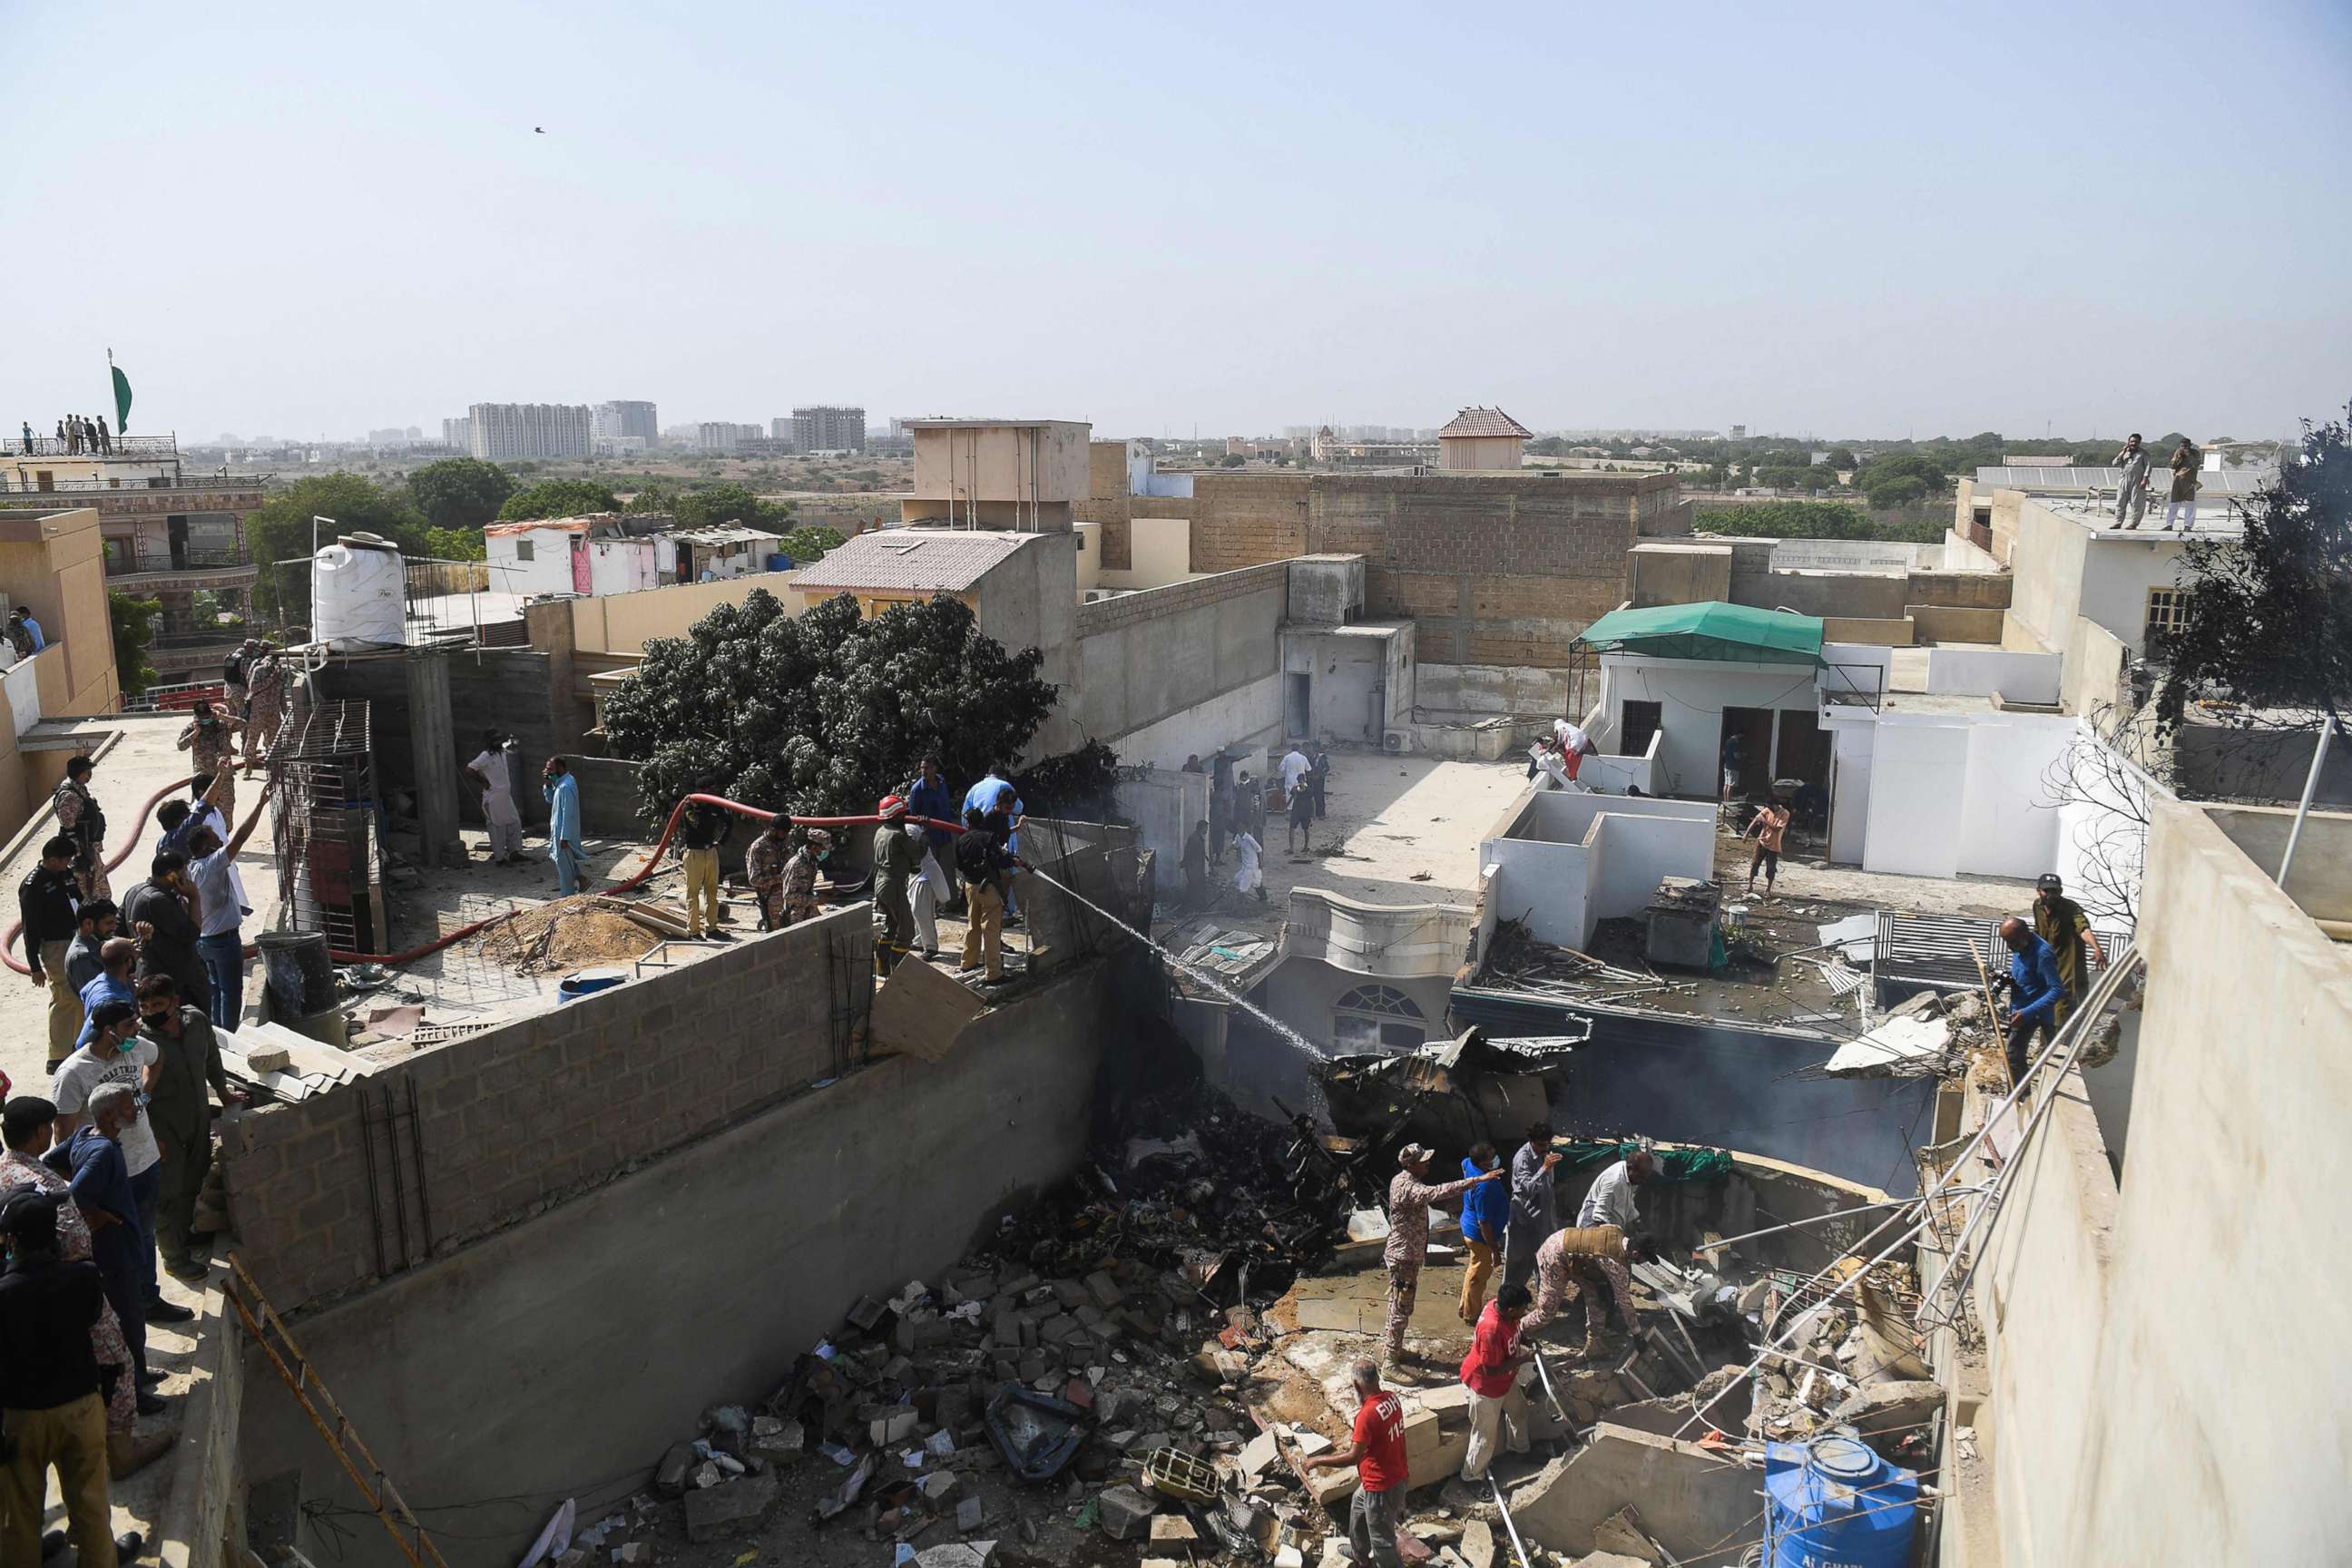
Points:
(1377, 1018)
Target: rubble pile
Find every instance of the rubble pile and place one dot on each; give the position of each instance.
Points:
(1852, 1365)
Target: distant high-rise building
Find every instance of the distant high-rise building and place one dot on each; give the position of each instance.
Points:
(625, 420)
(827, 427)
(457, 434)
(391, 436)
(501, 431)
(781, 430)
(724, 434)
(1739, 432)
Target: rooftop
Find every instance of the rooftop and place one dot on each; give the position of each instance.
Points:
(923, 560)
(2216, 517)
(2240, 481)
(1485, 422)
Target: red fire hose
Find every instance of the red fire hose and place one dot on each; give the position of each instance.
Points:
(414, 954)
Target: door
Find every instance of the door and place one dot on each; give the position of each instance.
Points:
(1636, 722)
(1747, 751)
(583, 576)
(1295, 691)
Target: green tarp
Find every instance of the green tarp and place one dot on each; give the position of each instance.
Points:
(1735, 633)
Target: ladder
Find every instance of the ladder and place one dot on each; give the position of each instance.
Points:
(269, 1331)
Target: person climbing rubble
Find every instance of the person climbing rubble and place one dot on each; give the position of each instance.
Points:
(1610, 1200)
(1499, 1406)
(2066, 927)
(897, 859)
(1580, 1261)
(2035, 993)
(1409, 1197)
(1377, 1450)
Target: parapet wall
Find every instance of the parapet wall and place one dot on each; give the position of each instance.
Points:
(343, 1188)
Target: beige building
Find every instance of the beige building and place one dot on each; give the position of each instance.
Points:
(166, 534)
(1482, 439)
(54, 563)
(1023, 475)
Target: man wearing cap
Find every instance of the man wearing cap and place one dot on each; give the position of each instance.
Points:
(233, 674)
(1411, 1193)
(49, 908)
(896, 857)
(763, 869)
(2060, 922)
(1583, 1260)
(264, 677)
(799, 879)
(1535, 1212)
(211, 739)
(985, 864)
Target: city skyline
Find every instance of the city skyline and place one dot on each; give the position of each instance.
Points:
(1804, 228)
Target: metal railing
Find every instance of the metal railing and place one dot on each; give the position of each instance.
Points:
(15, 445)
(1853, 685)
(224, 636)
(194, 558)
(20, 483)
(175, 697)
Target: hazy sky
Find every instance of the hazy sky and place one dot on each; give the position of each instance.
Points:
(1836, 220)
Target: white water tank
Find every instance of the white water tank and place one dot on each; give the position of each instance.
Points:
(356, 597)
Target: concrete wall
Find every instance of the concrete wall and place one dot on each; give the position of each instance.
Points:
(1360, 678)
(1939, 622)
(54, 562)
(607, 1324)
(624, 623)
(2047, 557)
(1980, 672)
(1679, 572)
(1002, 465)
(1326, 590)
(1303, 992)
(1443, 688)
(2109, 1363)
(538, 1110)
(2091, 669)
(1176, 670)
(549, 570)
(1693, 695)
(2320, 881)
(1164, 804)
(1954, 794)
(1565, 861)
(511, 688)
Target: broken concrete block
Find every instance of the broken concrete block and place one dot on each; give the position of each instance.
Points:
(1606, 1560)
(1124, 1511)
(1069, 1292)
(269, 1059)
(1172, 1527)
(1622, 1532)
(967, 1515)
(938, 1486)
(634, 1553)
(1883, 1413)
(890, 1428)
(734, 1509)
(1104, 1289)
(707, 1474)
(786, 1442)
(669, 1476)
(1477, 1543)
(1056, 1329)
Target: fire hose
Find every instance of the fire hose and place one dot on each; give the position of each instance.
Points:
(669, 828)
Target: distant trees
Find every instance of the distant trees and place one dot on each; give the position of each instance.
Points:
(1842, 459)
(133, 623)
(809, 543)
(1812, 520)
(558, 497)
(460, 492)
(281, 530)
(711, 506)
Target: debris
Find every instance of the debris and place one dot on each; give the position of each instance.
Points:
(842, 1496)
(1622, 1532)
(732, 1507)
(565, 934)
(1124, 1511)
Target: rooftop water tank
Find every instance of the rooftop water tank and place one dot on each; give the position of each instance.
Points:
(1834, 1503)
(356, 597)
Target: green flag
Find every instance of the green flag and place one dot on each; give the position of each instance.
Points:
(122, 397)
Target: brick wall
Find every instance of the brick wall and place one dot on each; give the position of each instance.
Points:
(514, 1119)
(508, 688)
(1492, 568)
(1961, 590)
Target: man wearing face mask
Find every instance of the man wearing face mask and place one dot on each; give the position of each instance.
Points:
(211, 738)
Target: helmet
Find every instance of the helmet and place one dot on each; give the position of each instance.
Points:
(819, 838)
(892, 807)
(2049, 883)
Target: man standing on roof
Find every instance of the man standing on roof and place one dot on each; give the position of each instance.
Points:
(2132, 498)
(233, 673)
(763, 869)
(1535, 1212)
(492, 769)
(81, 819)
(2182, 506)
(1575, 745)
(563, 847)
(701, 829)
(49, 904)
(985, 864)
(2035, 993)
(211, 739)
(897, 859)
(264, 707)
(1772, 825)
(800, 877)
(2062, 922)
(932, 800)
(1409, 1197)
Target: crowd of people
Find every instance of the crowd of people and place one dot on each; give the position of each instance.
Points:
(79, 435)
(1238, 806)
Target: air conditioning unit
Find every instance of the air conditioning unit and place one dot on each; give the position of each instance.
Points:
(1396, 741)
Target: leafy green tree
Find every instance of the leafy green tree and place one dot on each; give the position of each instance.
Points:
(1230, 461)
(1888, 493)
(2269, 617)
(811, 540)
(134, 632)
(558, 497)
(1842, 459)
(281, 532)
(456, 544)
(654, 496)
(822, 713)
(723, 505)
(460, 492)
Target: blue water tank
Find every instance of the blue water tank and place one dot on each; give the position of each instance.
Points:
(1834, 1503)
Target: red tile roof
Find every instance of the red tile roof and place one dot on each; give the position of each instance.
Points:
(1485, 422)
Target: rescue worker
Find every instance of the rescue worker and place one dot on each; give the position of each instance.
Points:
(211, 739)
(897, 859)
(763, 869)
(264, 707)
(1409, 1195)
(800, 876)
(1583, 1260)
(81, 819)
(2062, 922)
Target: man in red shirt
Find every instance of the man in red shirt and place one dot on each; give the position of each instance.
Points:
(1378, 1454)
(1491, 1373)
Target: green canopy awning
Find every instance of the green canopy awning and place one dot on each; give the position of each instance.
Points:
(1735, 633)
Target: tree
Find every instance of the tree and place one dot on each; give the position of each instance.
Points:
(558, 497)
(1886, 494)
(1230, 461)
(134, 630)
(822, 713)
(456, 544)
(719, 506)
(281, 530)
(812, 541)
(1842, 459)
(2268, 623)
(460, 492)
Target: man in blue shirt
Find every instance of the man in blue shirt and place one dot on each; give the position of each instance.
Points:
(2034, 992)
(1485, 1211)
(994, 798)
(117, 959)
(24, 613)
(564, 846)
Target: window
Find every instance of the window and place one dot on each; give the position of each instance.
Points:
(2167, 612)
(1636, 722)
(522, 550)
(1377, 1018)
